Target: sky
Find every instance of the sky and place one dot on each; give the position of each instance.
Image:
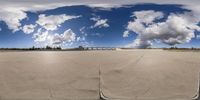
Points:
(100, 23)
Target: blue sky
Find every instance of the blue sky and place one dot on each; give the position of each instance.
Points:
(71, 26)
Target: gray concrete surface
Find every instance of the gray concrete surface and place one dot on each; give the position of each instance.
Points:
(74, 75)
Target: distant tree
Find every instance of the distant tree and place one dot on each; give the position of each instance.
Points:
(81, 48)
(48, 47)
(33, 48)
(58, 48)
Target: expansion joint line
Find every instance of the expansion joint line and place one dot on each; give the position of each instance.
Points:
(197, 96)
(101, 94)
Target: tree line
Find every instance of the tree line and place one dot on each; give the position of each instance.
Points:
(34, 48)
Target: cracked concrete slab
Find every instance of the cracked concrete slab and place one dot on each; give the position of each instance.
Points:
(74, 75)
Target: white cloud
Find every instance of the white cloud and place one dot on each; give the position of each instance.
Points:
(38, 4)
(13, 11)
(176, 29)
(82, 30)
(99, 22)
(147, 17)
(41, 36)
(143, 18)
(80, 38)
(12, 17)
(126, 33)
(28, 28)
(67, 37)
(52, 22)
(44, 37)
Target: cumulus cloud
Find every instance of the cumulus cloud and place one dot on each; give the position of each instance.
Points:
(99, 22)
(12, 18)
(176, 29)
(147, 17)
(48, 24)
(28, 28)
(52, 22)
(143, 18)
(68, 36)
(126, 33)
(13, 11)
(41, 36)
